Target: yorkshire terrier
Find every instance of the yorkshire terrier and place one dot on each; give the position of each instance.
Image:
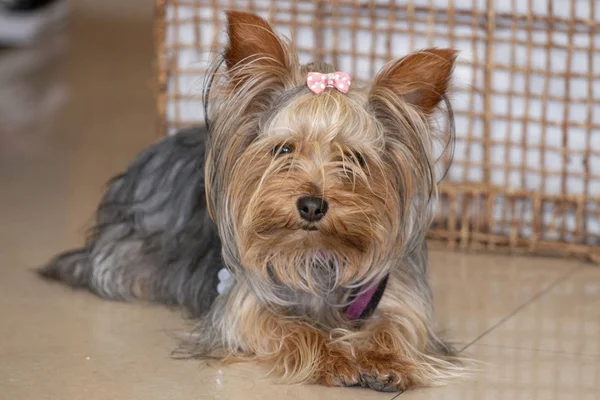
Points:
(293, 226)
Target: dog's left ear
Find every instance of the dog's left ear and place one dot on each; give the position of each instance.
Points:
(254, 50)
(421, 79)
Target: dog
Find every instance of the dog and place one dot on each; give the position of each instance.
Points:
(293, 225)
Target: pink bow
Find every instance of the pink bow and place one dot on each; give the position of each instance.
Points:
(317, 82)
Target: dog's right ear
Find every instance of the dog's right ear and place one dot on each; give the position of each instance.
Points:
(255, 52)
(420, 79)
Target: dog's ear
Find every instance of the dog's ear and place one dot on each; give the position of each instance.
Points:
(421, 78)
(253, 48)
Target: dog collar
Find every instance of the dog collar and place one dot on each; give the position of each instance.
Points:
(364, 302)
(362, 305)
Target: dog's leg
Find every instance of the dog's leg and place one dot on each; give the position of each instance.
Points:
(397, 349)
(300, 353)
(384, 355)
(125, 268)
(114, 265)
(292, 348)
(390, 358)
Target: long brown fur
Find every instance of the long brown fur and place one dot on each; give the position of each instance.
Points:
(195, 203)
(369, 153)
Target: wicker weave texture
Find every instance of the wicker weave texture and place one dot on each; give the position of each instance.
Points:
(526, 171)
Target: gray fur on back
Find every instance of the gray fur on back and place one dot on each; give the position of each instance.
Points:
(153, 237)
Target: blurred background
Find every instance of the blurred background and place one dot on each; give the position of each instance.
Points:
(60, 62)
(77, 88)
(525, 177)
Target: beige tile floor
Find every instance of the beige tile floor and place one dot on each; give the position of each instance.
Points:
(535, 323)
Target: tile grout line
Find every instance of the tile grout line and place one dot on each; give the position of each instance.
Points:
(535, 297)
(524, 305)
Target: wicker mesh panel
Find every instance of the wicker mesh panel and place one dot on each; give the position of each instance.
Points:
(526, 172)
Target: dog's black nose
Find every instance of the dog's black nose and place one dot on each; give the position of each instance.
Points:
(312, 209)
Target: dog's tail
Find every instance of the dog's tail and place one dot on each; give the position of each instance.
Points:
(72, 268)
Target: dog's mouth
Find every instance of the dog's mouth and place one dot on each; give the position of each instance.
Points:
(309, 226)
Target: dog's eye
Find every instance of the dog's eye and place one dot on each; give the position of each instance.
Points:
(282, 150)
(355, 157)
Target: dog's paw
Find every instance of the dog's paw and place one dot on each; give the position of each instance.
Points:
(339, 370)
(385, 372)
(381, 383)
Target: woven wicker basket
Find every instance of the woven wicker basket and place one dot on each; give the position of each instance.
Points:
(526, 171)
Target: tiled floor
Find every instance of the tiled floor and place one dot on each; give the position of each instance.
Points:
(535, 323)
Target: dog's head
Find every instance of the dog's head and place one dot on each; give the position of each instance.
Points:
(315, 191)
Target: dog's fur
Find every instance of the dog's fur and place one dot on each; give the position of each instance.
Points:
(271, 141)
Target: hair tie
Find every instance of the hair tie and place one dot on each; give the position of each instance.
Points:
(317, 82)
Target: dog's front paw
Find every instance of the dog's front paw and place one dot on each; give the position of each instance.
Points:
(385, 372)
(382, 382)
(339, 370)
